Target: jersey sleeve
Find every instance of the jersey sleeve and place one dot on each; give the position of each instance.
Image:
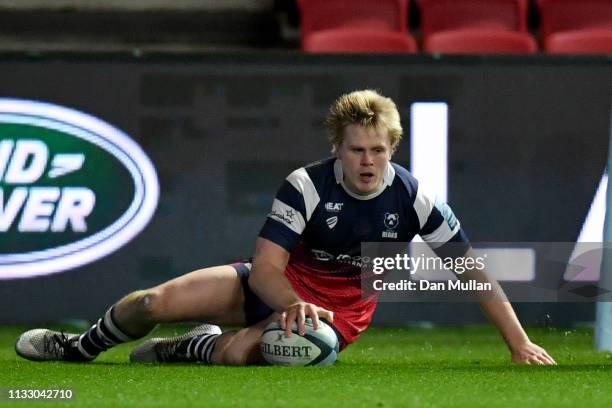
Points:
(439, 227)
(291, 210)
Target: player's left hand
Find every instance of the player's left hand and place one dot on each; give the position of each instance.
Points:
(298, 312)
(530, 353)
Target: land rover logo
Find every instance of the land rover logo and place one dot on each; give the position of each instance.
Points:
(72, 188)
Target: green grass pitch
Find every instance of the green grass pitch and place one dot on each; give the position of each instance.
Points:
(442, 367)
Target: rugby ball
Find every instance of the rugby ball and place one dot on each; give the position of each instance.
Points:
(316, 347)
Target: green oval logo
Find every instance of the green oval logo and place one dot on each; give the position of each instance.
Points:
(73, 188)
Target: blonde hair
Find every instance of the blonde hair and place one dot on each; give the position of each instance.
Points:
(367, 108)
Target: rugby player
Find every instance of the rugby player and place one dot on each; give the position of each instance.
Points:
(304, 263)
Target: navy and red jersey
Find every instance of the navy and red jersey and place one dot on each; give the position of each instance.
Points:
(322, 224)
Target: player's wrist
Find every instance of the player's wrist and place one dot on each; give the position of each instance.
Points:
(290, 302)
(518, 343)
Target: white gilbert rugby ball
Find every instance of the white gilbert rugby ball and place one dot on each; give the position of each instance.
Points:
(316, 347)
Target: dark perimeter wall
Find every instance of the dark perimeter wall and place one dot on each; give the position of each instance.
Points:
(528, 143)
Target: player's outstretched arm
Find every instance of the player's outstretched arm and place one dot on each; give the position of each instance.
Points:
(499, 310)
(268, 281)
(522, 350)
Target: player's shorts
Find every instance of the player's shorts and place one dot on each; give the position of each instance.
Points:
(255, 310)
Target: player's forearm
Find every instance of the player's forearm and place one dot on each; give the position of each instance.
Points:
(502, 315)
(497, 308)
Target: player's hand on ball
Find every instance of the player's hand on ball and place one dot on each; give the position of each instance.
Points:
(530, 353)
(298, 312)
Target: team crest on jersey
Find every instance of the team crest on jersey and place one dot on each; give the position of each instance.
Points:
(333, 207)
(391, 222)
(332, 221)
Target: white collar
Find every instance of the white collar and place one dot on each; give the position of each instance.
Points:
(387, 180)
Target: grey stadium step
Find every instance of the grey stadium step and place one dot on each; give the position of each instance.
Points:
(91, 25)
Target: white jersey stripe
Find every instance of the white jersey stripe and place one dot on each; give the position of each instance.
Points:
(108, 320)
(441, 235)
(302, 183)
(423, 204)
(81, 349)
(288, 216)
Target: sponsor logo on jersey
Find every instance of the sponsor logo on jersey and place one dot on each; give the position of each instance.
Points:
(321, 255)
(72, 188)
(334, 207)
(287, 216)
(356, 260)
(332, 221)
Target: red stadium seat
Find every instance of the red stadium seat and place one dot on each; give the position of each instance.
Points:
(480, 41)
(595, 41)
(442, 15)
(566, 15)
(358, 40)
(390, 15)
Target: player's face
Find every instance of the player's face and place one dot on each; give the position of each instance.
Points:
(365, 153)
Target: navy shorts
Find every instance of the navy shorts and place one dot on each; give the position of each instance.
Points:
(255, 310)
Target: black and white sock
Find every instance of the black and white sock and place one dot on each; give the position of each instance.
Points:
(102, 336)
(200, 348)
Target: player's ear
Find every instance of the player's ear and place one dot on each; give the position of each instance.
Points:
(336, 150)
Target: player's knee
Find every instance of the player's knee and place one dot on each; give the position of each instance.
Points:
(148, 304)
